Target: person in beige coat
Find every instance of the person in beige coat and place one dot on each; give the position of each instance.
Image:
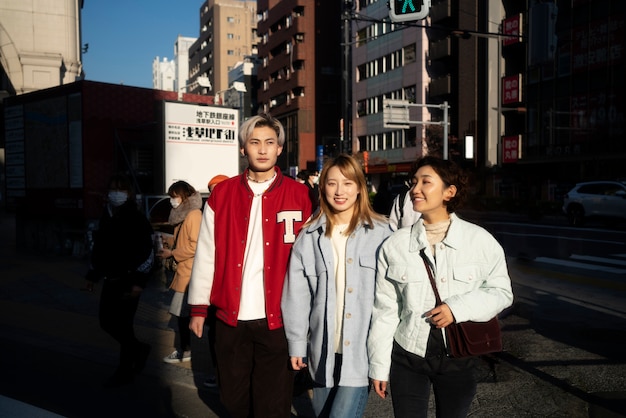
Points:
(186, 216)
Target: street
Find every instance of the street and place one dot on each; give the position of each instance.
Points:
(562, 347)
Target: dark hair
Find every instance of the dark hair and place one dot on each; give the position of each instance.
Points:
(181, 188)
(451, 174)
(122, 182)
(303, 175)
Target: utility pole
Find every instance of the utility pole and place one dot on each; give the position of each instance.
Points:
(346, 86)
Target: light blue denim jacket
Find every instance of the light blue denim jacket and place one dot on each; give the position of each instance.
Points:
(309, 301)
(471, 276)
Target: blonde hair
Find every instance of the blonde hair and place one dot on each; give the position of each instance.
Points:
(260, 121)
(363, 212)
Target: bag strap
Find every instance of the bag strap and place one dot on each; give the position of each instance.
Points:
(430, 276)
(401, 203)
(176, 236)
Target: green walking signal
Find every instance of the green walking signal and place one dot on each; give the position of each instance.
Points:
(407, 10)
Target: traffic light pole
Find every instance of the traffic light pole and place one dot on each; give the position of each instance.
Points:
(396, 115)
(346, 137)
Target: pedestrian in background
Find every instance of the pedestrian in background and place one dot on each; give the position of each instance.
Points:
(406, 343)
(185, 216)
(383, 199)
(329, 291)
(311, 179)
(249, 225)
(402, 213)
(122, 258)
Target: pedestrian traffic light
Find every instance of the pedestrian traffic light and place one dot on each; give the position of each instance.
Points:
(406, 10)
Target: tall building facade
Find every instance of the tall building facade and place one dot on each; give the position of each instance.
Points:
(163, 74)
(227, 36)
(389, 62)
(561, 97)
(40, 44)
(574, 94)
(181, 59)
(300, 75)
(172, 75)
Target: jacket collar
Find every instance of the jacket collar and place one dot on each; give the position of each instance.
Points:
(419, 241)
(277, 181)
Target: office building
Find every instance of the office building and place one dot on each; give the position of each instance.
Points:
(300, 76)
(227, 36)
(163, 74)
(389, 62)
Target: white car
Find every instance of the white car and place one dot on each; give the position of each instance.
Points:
(595, 199)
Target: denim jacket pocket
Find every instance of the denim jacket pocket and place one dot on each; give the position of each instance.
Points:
(404, 274)
(367, 261)
(468, 275)
(314, 269)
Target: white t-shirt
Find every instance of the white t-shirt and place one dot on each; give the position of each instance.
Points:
(252, 304)
(339, 242)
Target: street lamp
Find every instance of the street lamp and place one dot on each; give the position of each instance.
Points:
(202, 81)
(239, 87)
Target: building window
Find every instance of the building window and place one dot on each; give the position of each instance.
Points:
(409, 54)
(230, 36)
(230, 52)
(361, 37)
(230, 19)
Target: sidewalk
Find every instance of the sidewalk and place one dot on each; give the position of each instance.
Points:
(54, 356)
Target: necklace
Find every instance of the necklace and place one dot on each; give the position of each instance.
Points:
(262, 181)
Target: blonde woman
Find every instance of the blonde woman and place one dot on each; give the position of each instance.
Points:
(329, 290)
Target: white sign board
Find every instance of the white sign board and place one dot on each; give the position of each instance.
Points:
(200, 142)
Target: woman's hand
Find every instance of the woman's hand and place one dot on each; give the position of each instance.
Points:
(297, 363)
(380, 387)
(164, 253)
(440, 316)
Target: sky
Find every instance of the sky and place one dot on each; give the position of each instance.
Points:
(125, 36)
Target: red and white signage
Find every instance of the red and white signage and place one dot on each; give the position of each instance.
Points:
(512, 26)
(512, 89)
(511, 149)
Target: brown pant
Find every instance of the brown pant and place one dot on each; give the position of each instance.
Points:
(253, 370)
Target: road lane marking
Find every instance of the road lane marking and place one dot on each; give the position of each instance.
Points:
(598, 259)
(559, 237)
(586, 266)
(592, 306)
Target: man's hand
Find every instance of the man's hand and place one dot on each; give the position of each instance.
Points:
(297, 363)
(196, 324)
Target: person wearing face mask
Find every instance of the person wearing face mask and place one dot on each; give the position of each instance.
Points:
(185, 216)
(314, 190)
(121, 259)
